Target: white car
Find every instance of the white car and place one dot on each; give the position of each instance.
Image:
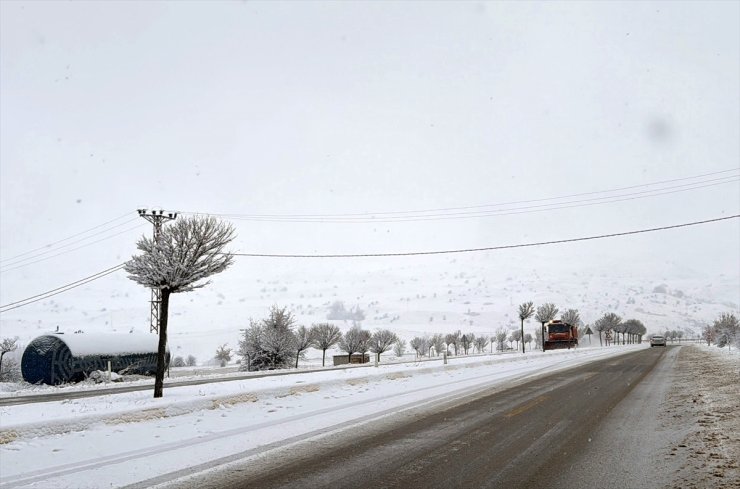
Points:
(657, 341)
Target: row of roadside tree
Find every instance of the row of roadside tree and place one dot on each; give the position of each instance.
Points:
(276, 341)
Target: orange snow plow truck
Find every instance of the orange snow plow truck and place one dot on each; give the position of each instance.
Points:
(558, 334)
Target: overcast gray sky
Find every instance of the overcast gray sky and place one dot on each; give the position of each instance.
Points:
(360, 107)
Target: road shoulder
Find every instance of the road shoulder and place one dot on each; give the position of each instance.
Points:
(705, 399)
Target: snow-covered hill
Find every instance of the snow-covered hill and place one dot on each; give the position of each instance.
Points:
(412, 296)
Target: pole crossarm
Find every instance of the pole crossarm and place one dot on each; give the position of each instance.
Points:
(157, 217)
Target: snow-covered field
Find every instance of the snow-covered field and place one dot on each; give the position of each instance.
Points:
(121, 439)
(424, 296)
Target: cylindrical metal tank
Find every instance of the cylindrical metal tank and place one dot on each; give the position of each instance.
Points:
(59, 358)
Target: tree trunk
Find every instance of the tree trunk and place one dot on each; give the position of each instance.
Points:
(162, 349)
(323, 359)
(297, 355)
(522, 335)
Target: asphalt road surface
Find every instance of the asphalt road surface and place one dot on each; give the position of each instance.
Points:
(558, 431)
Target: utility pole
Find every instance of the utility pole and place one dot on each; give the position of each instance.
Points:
(157, 218)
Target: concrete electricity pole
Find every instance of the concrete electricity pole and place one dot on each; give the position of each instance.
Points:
(157, 218)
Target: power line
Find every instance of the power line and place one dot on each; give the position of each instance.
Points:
(406, 216)
(491, 248)
(67, 238)
(72, 285)
(734, 170)
(59, 290)
(503, 212)
(20, 264)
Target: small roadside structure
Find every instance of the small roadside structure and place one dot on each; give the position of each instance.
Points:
(59, 358)
(356, 358)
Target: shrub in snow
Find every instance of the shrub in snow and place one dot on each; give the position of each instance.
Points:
(727, 330)
(8, 366)
(223, 354)
(269, 343)
(337, 311)
(660, 289)
(11, 370)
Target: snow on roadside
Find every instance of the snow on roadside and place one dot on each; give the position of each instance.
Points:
(106, 440)
(67, 415)
(706, 400)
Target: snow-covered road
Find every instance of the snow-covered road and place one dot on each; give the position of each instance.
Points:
(124, 439)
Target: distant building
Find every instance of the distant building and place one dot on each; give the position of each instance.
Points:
(356, 358)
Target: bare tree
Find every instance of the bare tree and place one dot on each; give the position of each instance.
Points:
(303, 340)
(364, 345)
(250, 345)
(620, 328)
(355, 341)
(634, 329)
(223, 354)
(481, 342)
(438, 342)
(546, 312)
(399, 347)
(607, 323)
(191, 361)
(185, 254)
(178, 362)
(325, 336)
(516, 335)
(453, 339)
(427, 343)
(381, 341)
(501, 335)
(527, 339)
(600, 325)
(612, 322)
(465, 343)
(418, 346)
(571, 316)
(525, 312)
